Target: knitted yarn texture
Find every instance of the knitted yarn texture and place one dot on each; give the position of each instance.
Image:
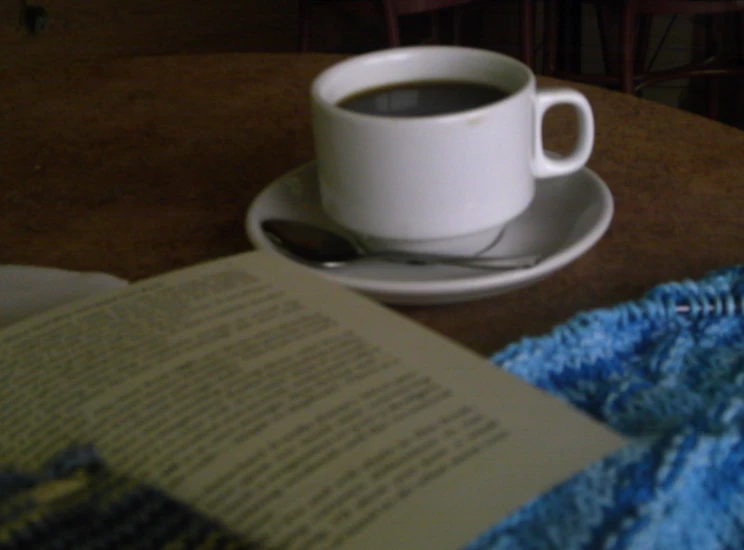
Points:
(668, 372)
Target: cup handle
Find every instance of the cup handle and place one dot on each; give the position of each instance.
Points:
(542, 165)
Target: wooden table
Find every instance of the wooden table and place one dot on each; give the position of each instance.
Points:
(143, 165)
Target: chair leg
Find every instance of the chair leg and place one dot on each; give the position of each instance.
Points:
(740, 38)
(627, 46)
(714, 39)
(604, 18)
(739, 97)
(435, 27)
(550, 50)
(642, 42)
(527, 40)
(457, 25)
(305, 14)
(390, 14)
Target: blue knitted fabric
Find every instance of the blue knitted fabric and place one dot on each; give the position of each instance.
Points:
(673, 381)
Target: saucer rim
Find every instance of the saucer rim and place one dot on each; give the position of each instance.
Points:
(390, 291)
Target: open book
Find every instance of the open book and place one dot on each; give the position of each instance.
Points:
(296, 412)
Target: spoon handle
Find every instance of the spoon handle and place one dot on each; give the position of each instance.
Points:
(478, 262)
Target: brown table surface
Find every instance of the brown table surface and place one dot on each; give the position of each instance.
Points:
(139, 166)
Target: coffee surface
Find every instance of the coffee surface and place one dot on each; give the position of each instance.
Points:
(423, 98)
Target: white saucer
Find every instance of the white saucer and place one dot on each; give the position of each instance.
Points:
(566, 218)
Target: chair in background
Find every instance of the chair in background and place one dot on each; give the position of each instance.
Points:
(392, 10)
(625, 62)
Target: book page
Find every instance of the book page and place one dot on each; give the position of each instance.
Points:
(298, 413)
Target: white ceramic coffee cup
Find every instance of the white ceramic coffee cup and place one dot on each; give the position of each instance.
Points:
(443, 183)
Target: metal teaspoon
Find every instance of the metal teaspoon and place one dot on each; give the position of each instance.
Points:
(322, 247)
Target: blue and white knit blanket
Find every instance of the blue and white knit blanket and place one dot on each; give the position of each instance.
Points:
(667, 371)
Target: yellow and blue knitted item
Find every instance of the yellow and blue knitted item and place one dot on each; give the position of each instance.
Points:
(667, 371)
(78, 504)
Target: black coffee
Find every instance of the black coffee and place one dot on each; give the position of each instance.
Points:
(416, 99)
